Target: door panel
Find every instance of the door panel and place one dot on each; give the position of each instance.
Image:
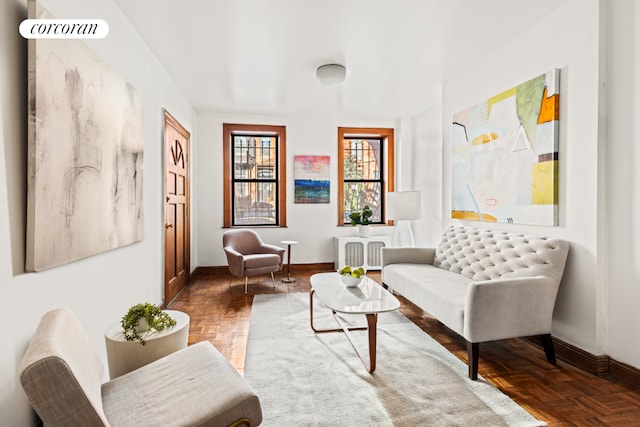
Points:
(177, 227)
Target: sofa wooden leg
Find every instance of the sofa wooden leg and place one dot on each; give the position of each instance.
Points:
(473, 352)
(547, 344)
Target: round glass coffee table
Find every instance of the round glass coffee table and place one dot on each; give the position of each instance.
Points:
(368, 298)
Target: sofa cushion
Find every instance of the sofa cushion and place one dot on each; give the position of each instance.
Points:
(439, 292)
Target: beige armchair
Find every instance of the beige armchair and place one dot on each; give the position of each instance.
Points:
(62, 374)
(248, 255)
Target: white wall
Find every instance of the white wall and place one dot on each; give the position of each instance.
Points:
(623, 186)
(313, 225)
(98, 289)
(566, 39)
(427, 157)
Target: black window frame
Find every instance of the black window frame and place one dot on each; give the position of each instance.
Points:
(381, 174)
(258, 137)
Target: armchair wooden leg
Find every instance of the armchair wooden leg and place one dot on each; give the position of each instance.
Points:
(547, 344)
(246, 284)
(473, 352)
(273, 280)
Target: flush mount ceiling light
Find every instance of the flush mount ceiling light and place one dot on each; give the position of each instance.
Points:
(331, 74)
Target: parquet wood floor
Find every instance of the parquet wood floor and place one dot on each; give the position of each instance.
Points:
(560, 395)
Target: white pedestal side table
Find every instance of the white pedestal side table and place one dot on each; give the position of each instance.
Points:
(125, 356)
(289, 243)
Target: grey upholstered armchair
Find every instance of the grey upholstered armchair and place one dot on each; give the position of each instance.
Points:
(196, 386)
(248, 255)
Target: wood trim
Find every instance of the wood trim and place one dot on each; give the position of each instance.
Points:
(625, 373)
(340, 176)
(389, 145)
(226, 175)
(597, 365)
(283, 176)
(210, 270)
(223, 269)
(228, 129)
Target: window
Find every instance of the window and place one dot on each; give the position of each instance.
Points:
(365, 173)
(254, 175)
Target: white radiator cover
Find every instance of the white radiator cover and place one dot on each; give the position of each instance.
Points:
(360, 251)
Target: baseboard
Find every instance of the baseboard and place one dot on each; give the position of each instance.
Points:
(602, 365)
(627, 374)
(597, 365)
(223, 269)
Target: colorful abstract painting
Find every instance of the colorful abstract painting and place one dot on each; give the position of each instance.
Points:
(85, 154)
(312, 179)
(505, 155)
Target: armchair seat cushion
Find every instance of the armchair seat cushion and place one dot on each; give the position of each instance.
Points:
(209, 393)
(261, 260)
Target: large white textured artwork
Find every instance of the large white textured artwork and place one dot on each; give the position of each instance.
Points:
(86, 138)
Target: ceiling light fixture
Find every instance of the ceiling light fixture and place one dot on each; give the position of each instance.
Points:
(331, 74)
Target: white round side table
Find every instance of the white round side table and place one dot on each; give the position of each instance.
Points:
(289, 243)
(125, 356)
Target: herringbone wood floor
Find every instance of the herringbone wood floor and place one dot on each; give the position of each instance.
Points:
(561, 395)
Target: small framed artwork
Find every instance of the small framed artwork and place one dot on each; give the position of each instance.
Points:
(312, 179)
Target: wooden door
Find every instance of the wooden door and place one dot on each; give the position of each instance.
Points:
(176, 227)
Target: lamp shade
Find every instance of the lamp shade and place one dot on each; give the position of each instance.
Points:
(404, 205)
(331, 74)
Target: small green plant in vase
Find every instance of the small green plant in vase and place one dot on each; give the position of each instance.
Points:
(362, 217)
(144, 317)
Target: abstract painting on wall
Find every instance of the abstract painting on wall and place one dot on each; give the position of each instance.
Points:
(85, 154)
(505, 155)
(312, 179)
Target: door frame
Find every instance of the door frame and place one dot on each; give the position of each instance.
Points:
(171, 121)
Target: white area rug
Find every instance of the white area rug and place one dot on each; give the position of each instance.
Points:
(307, 379)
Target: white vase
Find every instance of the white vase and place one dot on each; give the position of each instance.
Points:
(142, 325)
(364, 231)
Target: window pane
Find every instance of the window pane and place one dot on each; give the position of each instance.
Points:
(254, 203)
(358, 194)
(244, 157)
(362, 159)
(268, 149)
(255, 157)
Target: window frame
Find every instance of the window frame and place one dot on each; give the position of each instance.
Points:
(229, 130)
(388, 166)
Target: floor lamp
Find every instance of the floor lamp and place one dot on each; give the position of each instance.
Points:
(402, 207)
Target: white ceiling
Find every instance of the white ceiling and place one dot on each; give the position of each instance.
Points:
(260, 56)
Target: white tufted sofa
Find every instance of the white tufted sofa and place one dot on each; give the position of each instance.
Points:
(484, 285)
